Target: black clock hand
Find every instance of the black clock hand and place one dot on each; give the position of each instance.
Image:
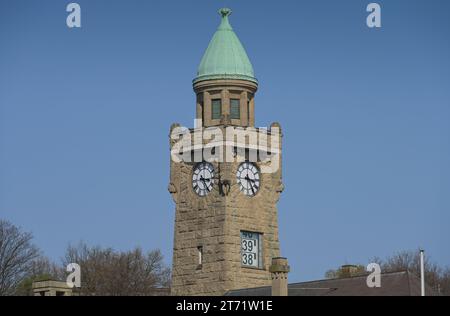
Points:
(253, 190)
(251, 180)
(251, 186)
(203, 179)
(204, 182)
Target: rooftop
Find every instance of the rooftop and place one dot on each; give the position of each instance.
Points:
(401, 283)
(225, 57)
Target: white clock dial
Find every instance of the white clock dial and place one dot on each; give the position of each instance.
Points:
(248, 178)
(203, 178)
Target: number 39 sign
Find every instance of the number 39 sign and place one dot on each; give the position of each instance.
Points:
(250, 249)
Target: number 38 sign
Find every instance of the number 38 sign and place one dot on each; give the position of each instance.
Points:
(250, 249)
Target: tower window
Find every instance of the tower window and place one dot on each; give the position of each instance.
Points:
(249, 99)
(201, 103)
(200, 255)
(216, 111)
(235, 109)
(251, 250)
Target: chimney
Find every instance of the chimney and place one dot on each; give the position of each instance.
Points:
(279, 270)
(422, 273)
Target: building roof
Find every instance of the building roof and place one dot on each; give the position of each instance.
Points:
(225, 57)
(49, 283)
(402, 283)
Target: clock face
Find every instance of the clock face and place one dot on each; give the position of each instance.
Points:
(248, 178)
(203, 178)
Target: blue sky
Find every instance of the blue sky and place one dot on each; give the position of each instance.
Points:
(85, 116)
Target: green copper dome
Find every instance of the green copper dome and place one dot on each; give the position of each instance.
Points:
(225, 57)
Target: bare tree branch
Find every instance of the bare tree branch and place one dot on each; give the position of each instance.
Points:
(16, 256)
(109, 272)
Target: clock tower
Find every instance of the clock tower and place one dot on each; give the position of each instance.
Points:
(225, 178)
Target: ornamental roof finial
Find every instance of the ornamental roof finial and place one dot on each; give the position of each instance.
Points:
(225, 12)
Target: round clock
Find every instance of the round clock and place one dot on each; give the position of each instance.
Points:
(248, 178)
(203, 178)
